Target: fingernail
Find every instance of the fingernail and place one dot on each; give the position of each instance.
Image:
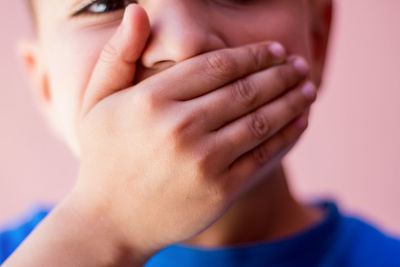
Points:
(301, 123)
(277, 50)
(301, 65)
(310, 91)
(127, 15)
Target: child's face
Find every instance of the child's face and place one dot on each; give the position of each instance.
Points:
(68, 46)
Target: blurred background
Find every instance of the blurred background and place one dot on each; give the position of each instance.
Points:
(350, 153)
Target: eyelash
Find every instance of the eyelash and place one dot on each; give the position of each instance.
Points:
(108, 6)
(103, 6)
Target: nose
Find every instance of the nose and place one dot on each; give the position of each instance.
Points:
(180, 29)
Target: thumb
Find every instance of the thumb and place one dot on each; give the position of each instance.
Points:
(115, 69)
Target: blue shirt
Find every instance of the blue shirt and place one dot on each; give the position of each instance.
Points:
(338, 240)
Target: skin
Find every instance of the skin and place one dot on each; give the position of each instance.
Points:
(217, 139)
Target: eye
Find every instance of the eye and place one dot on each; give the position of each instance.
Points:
(239, 2)
(103, 6)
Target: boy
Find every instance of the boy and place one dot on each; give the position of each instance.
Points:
(181, 120)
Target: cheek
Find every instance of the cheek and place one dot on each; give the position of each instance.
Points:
(280, 22)
(70, 59)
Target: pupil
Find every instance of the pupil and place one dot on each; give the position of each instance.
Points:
(106, 5)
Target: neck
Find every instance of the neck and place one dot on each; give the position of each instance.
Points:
(268, 211)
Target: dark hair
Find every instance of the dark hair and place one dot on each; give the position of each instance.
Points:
(30, 5)
(31, 9)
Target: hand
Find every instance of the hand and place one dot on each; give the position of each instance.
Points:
(165, 158)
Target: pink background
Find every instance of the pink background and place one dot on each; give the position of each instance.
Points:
(350, 153)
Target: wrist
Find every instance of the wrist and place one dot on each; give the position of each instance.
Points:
(95, 233)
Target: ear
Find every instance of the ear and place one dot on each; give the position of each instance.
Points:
(321, 19)
(29, 52)
(32, 58)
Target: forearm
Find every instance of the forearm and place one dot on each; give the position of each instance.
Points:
(73, 235)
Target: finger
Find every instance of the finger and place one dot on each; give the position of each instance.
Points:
(245, 95)
(265, 154)
(115, 69)
(204, 73)
(250, 131)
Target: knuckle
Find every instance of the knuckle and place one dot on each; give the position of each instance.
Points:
(183, 128)
(259, 55)
(149, 101)
(243, 91)
(220, 65)
(173, 138)
(201, 116)
(187, 125)
(204, 161)
(258, 125)
(109, 54)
